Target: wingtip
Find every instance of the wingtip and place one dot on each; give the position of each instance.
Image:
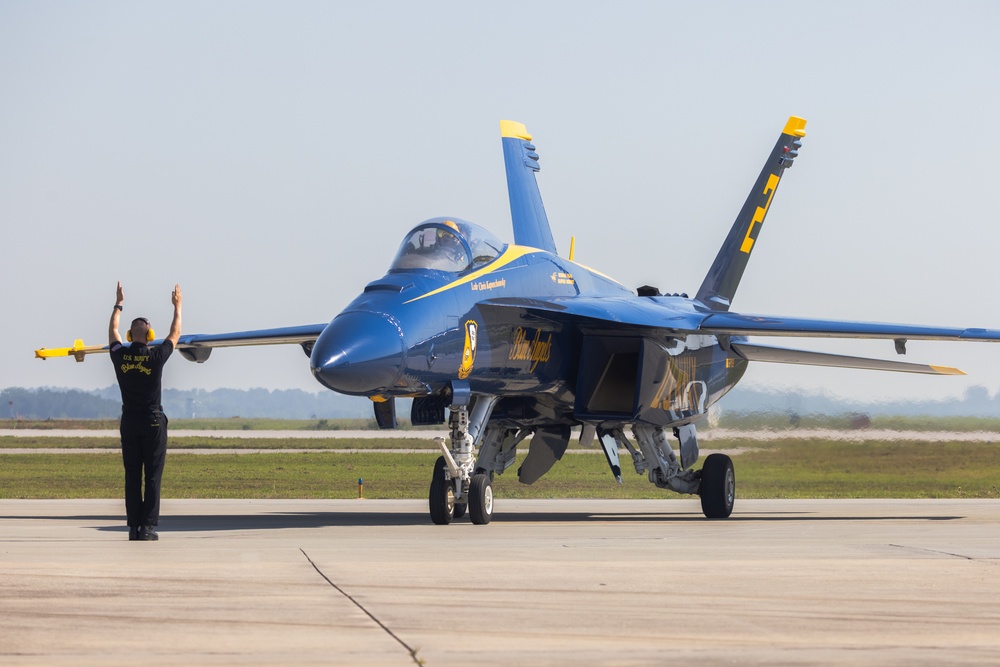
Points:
(49, 352)
(77, 350)
(948, 370)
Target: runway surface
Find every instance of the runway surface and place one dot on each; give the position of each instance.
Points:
(549, 582)
(262, 434)
(763, 435)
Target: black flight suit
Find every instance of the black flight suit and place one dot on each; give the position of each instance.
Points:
(143, 428)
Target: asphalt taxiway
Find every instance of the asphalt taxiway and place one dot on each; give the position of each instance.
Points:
(549, 582)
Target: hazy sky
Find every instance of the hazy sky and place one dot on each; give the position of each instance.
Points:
(270, 157)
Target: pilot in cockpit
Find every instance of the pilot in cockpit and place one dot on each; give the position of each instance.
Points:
(432, 247)
(449, 243)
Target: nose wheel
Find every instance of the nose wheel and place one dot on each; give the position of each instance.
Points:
(441, 499)
(457, 485)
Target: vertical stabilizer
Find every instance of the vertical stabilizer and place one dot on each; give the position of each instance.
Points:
(724, 277)
(531, 225)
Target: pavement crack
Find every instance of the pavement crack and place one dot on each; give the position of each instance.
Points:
(409, 649)
(933, 551)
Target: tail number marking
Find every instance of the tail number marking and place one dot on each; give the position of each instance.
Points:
(758, 216)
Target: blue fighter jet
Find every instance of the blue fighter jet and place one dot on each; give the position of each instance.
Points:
(507, 341)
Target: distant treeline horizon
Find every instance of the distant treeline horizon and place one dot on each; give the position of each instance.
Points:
(58, 403)
(62, 403)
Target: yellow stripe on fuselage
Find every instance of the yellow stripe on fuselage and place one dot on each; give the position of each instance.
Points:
(512, 253)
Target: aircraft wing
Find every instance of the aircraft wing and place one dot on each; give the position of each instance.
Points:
(680, 318)
(735, 324)
(197, 347)
(783, 355)
(597, 314)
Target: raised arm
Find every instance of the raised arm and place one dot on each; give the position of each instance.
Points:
(175, 325)
(113, 335)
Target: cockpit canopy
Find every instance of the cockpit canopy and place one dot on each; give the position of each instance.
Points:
(447, 244)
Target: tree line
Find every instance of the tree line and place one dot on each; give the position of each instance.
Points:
(55, 403)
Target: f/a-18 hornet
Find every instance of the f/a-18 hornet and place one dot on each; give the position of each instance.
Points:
(509, 341)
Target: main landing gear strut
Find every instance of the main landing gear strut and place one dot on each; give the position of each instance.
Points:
(462, 483)
(715, 483)
(457, 485)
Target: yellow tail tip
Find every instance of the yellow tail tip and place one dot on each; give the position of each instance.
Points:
(795, 126)
(511, 128)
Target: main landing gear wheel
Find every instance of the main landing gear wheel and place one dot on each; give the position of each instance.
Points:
(442, 495)
(718, 486)
(481, 499)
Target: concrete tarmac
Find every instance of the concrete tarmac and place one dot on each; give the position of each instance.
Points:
(549, 582)
(762, 435)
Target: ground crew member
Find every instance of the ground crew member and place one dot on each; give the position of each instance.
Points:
(143, 426)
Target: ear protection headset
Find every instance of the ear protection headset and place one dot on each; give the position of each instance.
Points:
(150, 334)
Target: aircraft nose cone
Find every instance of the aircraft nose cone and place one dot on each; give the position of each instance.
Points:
(358, 353)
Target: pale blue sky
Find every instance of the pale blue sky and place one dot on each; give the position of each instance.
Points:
(270, 156)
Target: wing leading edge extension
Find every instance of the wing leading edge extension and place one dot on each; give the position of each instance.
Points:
(198, 347)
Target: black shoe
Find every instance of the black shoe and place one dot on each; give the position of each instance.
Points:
(147, 534)
(133, 533)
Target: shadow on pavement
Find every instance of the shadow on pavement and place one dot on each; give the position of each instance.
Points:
(286, 520)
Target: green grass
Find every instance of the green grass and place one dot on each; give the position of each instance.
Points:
(844, 422)
(277, 475)
(216, 424)
(787, 469)
(871, 470)
(220, 442)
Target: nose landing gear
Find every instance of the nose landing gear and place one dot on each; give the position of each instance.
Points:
(457, 485)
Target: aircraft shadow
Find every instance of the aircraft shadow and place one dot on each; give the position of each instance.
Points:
(286, 520)
(697, 517)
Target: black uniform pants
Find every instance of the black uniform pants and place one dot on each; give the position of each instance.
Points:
(144, 450)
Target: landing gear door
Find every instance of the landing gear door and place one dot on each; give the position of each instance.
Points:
(668, 390)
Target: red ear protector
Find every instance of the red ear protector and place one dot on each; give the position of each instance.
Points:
(150, 334)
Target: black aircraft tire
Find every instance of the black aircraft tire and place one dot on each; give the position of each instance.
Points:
(718, 486)
(442, 496)
(481, 499)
